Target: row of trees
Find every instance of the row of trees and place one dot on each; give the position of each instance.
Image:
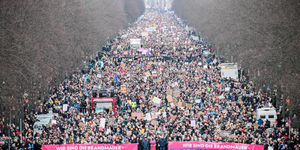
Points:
(42, 42)
(261, 35)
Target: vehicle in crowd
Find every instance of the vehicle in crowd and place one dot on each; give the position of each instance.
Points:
(266, 113)
(103, 104)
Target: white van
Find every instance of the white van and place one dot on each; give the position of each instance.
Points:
(267, 113)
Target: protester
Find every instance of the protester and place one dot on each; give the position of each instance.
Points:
(174, 79)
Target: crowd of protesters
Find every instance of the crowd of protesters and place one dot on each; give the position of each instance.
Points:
(195, 102)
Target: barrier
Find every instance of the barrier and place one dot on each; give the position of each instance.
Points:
(212, 146)
(91, 147)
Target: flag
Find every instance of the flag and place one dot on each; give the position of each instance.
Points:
(290, 121)
(116, 78)
(18, 132)
(123, 71)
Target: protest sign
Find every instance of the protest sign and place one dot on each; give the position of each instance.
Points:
(81, 124)
(169, 98)
(144, 33)
(111, 121)
(123, 88)
(176, 93)
(154, 115)
(140, 115)
(169, 92)
(65, 107)
(102, 122)
(193, 123)
(173, 117)
(154, 122)
(148, 117)
(147, 74)
(156, 100)
(134, 114)
(181, 104)
(129, 133)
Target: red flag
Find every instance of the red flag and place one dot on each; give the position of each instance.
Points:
(123, 71)
(18, 132)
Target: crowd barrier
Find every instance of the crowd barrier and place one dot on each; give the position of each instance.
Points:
(212, 146)
(171, 146)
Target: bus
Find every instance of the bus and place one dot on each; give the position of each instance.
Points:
(104, 104)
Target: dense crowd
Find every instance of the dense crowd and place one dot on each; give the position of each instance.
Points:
(193, 102)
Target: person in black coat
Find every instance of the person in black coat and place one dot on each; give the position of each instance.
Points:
(140, 146)
(133, 140)
(37, 145)
(162, 143)
(146, 144)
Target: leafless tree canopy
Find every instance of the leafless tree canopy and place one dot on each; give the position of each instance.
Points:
(43, 41)
(263, 36)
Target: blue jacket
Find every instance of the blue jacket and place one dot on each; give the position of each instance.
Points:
(260, 121)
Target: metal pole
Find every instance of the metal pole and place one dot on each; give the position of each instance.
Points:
(289, 131)
(21, 130)
(9, 141)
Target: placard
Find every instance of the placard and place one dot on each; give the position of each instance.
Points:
(111, 121)
(169, 92)
(154, 122)
(147, 74)
(140, 115)
(181, 104)
(188, 105)
(148, 116)
(169, 98)
(255, 125)
(172, 105)
(154, 115)
(129, 133)
(193, 123)
(144, 33)
(134, 114)
(176, 93)
(65, 107)
(156, 100)
(173, 117)
(102, 122)
(123, 89)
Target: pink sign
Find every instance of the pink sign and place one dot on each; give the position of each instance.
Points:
(212, 146)
(91, 147)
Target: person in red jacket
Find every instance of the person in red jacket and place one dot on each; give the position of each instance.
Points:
(152, 143)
